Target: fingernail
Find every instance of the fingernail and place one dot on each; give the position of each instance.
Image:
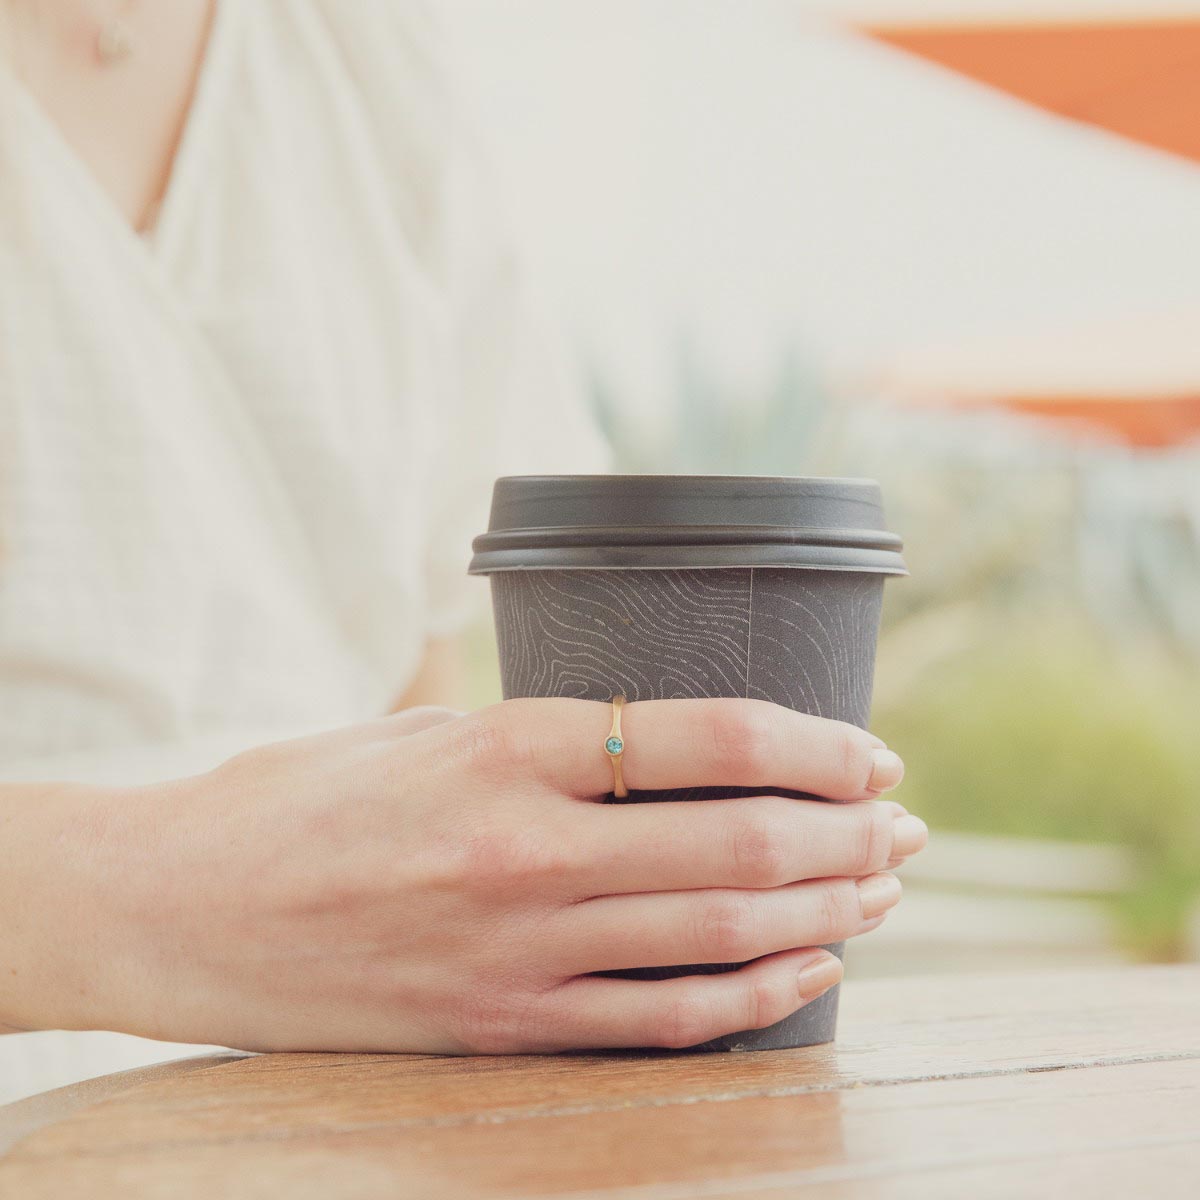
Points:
(878, 893)
(909, 834)
(886, 770)
(819, 976)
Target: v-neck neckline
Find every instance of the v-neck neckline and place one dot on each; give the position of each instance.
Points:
(156, 242)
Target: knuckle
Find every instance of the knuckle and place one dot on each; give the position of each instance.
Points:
(874, 838)
(726, 927)
(505, 1012)
(428, 714)
(853, 757)
(839, 910)
(256, 762)
(489, 741)
(504, 860)
(758, 851)
(742, 734)
(512, 742)
(766, 1003)
(485, 1027)
(686, 1021)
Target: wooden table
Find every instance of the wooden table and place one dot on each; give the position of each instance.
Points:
(1057, 1085)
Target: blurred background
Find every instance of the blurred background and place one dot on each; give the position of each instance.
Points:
(955, 247)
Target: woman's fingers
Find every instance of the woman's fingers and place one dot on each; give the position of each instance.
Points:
(719, 925)
(692, 743)
(593, 1012)
(756, 842)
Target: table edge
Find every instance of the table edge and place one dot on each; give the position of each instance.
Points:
(22, 1118)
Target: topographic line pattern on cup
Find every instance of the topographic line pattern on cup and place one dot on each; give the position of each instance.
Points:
(806, 647)
(662, 635)
(653, 635)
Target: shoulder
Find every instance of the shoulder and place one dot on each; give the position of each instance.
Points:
(390, 48)
(384, 67)
(367, 87)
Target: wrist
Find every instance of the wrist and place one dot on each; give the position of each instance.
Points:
(70, 858)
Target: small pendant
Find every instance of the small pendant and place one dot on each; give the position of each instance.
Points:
(113, 43)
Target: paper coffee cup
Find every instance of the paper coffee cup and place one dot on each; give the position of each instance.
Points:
(669, 587)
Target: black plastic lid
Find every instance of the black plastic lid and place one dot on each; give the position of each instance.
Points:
(670, 522)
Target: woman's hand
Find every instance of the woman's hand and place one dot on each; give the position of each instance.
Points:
(444, 883)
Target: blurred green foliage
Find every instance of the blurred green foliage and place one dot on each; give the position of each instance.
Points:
(774, 431)
(1040, 729)
(1016, 714)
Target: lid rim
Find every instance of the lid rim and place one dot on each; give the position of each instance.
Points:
(688, 558)
(682, 480)
(616, 537)
(594, 522)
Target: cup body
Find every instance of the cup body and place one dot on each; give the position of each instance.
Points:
(679, 587)
(804, 639)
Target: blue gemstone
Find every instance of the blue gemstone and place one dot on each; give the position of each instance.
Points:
(614, 745)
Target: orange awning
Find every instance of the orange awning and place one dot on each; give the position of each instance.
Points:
(1136, 379)
(1151, 422)
(1137, 77)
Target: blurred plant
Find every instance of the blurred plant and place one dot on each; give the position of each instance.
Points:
(723, 431)
(986, 511)
(1037, 730)
(1023, 671)
(1009, 513)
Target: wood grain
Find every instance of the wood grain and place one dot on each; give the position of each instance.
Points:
(23, 1117)
(1000, 1086)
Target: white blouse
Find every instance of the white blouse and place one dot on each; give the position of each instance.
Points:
(242, 460)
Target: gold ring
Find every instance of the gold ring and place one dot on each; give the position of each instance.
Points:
(614, 747)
